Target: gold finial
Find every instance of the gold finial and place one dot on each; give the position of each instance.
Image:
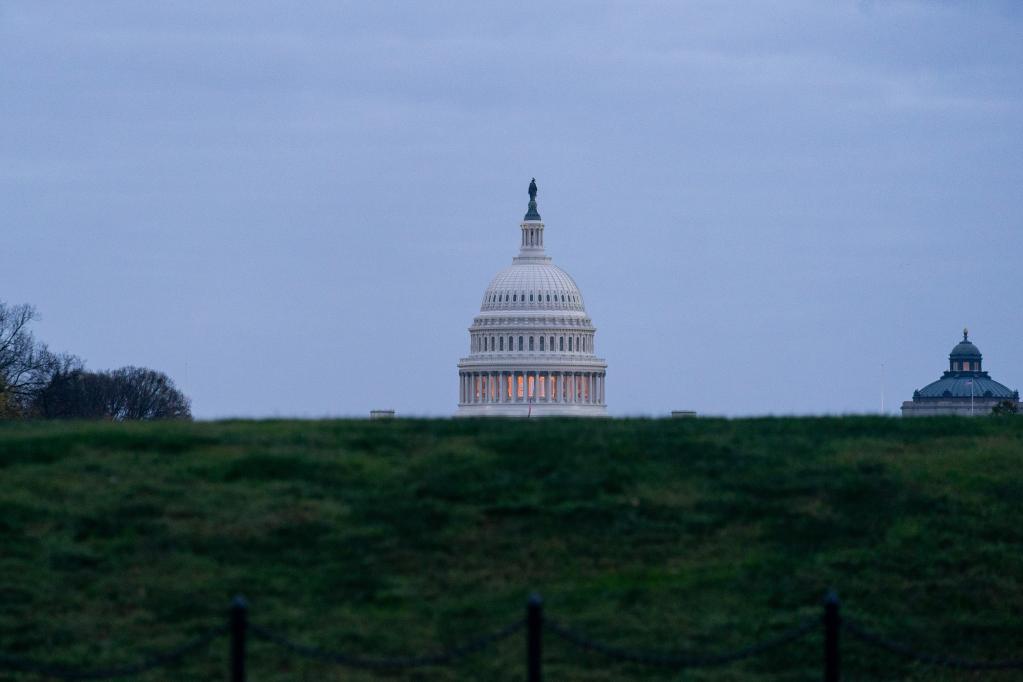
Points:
(966, 334)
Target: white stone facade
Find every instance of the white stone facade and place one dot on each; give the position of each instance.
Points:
(531, 348)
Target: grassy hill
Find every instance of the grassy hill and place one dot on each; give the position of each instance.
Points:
(403, 536)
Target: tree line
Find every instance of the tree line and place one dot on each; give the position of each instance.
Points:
(36, 383)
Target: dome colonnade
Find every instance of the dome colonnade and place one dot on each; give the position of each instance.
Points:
(531, 347)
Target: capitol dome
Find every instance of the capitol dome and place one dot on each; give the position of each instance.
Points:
(531, 348)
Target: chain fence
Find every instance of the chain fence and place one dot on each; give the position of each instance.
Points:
(444, 657)
(940, 660)
(534, 623)
(679, 660)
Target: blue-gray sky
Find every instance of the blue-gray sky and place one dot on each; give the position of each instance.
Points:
(294, 208)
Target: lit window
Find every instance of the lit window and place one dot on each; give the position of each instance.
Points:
(520, 385)
(509, 387)
(532, 386)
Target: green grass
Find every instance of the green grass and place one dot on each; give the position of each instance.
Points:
(394, 537)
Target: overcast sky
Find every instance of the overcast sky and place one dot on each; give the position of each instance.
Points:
(295, 208)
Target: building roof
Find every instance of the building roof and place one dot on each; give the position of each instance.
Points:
(962, 383)
(958, 385)
(536, 286)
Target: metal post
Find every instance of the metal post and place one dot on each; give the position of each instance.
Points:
(832, 622)
(534, 634)
(239, 624)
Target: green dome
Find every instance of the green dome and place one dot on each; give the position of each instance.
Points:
(965, 349)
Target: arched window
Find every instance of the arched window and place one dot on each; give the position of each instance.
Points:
(548, 298)
(530, 343)
(551, 346)
(563, 298)
(501, 343)
(570, 344)
(515, 297)
(541, 343)
(561, 343)
(520, 343)
(492, 347)
(511, 343)
(484, 343)
(530, 297)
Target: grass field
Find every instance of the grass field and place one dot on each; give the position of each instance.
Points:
(394, 537)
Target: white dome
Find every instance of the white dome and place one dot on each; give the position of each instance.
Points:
(532, 286)
(531, 346)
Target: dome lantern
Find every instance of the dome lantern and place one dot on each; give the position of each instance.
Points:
(965, 357)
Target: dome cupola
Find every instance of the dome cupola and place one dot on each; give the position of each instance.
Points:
(965, 357)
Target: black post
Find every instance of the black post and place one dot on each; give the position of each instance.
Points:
(832, 621)
(239, 623)
(534, 635)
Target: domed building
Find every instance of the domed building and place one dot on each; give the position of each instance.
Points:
(965, 389)
(531, 348)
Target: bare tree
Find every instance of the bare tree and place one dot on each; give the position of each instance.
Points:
(26, 365)
(126, 394)
(144, 394)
